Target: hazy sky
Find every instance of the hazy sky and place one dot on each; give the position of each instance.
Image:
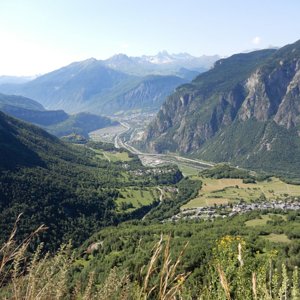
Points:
(38, 36)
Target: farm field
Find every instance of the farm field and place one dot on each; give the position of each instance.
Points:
(107, 134)
(188, 170)
(227, 190)
(277, 238)
(116, 156)
(133, 198)
(262, 220)
(112, 156)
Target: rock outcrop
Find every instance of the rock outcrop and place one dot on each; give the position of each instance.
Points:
(261, 88)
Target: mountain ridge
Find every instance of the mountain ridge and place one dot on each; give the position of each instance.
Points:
(259, 87)
(57, 122)
(71, 189)
(87, 85)
(163, 63)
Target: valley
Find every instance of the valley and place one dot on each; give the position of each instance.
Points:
(241, 111)
(228, 197)
(232, 191)
(122, 135)
(164, 177)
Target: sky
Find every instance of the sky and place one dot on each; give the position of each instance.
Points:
(38, 36)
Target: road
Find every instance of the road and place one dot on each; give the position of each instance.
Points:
(153, 159)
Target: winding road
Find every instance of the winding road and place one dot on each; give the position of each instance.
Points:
(153, 159)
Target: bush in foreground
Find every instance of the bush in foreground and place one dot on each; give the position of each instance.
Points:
(234, 273)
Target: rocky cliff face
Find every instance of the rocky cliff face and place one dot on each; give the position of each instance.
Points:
(91, 86)
(268, 93)
(260, 87)
(288, 113)
(147, 95)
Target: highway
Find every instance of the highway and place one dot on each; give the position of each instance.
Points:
(152, 159)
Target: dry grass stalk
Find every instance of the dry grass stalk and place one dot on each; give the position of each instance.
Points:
(116, 286)
(77, 290)
(254, 290)
(295, 288)
(88, 291)
(283, 291)
(224, 283)
(10, 252)
(151, 266)
(169, 282)
(240, 257)
(34, 267)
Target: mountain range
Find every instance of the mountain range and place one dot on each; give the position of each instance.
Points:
(161, 64)
(15, 79)
(120, 83)
(57, 122)
(245, 110)
(71, 189)
(50, 182)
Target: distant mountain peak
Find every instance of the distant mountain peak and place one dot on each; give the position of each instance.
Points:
(245, 97)
(88, 61)
(91, 59)
(119, 56)
(85, 84)
(161, 57)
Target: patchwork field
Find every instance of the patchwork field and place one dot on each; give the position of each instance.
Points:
(107, 134)
(262, 220)
(277, 238)
(116, 156)
(112, 155)
(226, 190)
(188, 170)
(133, 198)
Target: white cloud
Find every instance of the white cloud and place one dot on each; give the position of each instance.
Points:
(256, 40)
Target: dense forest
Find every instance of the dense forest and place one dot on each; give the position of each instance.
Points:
(130, 245)
(222, 259)
(107, 225)
(70, 189)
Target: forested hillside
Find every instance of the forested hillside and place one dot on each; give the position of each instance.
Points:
(245, 110)
(71, 189)
(57, 122)
(93, 86)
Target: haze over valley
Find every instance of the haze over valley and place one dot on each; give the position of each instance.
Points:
(132, 172)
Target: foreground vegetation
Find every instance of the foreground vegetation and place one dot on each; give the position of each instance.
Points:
(146, 262)
(105, 197)
(228, 190)
(224, 184)
(70, 189)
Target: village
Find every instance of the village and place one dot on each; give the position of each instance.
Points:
(230, 210)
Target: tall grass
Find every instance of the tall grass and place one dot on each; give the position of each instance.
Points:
(233, 274)
(166, 282)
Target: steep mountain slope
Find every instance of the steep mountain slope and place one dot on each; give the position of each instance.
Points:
(57, 122)
(69, 189)
(245, 110)
(105, 86)
(161, 64)
(41, 118)
(71, 87)
(48, 181)
(81, 123)
(146, 95)
(14, 79)
(19, 101)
